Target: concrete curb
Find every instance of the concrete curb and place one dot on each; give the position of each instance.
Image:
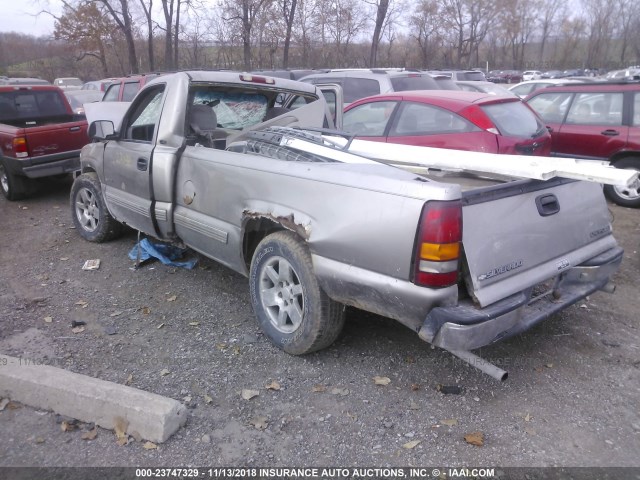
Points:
(89, 399)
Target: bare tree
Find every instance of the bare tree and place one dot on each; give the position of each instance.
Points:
(381, 8)
(551, 14)
(147, 14)
(425, 26)
(119, 11)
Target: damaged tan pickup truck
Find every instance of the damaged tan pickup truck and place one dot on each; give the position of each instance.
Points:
(462, 255)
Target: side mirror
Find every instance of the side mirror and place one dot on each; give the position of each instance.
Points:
(102, 130)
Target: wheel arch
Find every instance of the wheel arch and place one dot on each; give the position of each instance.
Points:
(256, 226)
(623, 155)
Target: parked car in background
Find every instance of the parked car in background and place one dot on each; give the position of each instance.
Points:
(68, 83)
(531, 75)
(360, 83)
(23, 81)
(77, 99)
(461, 75)
(125, 88)
(485, 87)
(99, 85)
(523, 89)
(553, 74)
(293, 74)
(449, 119)
(40, 136)
(445, 82)
(599, 121)
(505, 76)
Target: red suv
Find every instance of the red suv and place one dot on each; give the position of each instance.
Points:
(449, 119)
(125, 88)
(599, 121)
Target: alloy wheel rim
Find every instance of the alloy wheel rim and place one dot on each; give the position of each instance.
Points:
(281, 294)
(87, 211)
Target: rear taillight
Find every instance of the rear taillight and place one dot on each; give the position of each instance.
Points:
(475, 115)
(20, 147)
(256, 79)
(438, 244)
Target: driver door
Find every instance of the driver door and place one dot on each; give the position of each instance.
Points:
(128, 160)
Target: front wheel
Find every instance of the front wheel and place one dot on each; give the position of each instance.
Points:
(625, 196)
(89, 212)
(292, 309)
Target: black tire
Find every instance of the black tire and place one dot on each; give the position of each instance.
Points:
(89, 211)
(625, 196)
(14, 187)
(292, 309)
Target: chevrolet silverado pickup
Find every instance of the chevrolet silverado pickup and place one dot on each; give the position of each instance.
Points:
(40, 136)
(464, 258)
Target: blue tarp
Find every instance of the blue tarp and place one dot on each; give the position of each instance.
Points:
(167, 254)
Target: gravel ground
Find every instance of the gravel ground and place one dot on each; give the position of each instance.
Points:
(572, 398)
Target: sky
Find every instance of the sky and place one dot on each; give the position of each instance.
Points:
(20, 16)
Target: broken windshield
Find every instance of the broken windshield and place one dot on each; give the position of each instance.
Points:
(234, 109)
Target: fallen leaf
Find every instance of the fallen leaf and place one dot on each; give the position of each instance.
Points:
(172, 298)
(13, 406)
(48, 319)
(77, 329)
(68, 426)
(236, 350)
(146, 310)
(273, 386)
(82, 303)
(381, 380)
(3, 403)
(319, 388)
(194, 324)
(150, 446)
(260, 423)
(450, 422)
(410, 360)
(340, 391)
(527, 417)
(90, 435)
(208, 400)
(120, 426)
(39, 440)
(116, 313)
(164, 372)
(412, 444)
(129, 380)
(186, 399)
(221, 346)
(160, 326)
(64, 259)
(123, 441)
(249, 394)
(415, 386)
(136, 436)
(475, 438)
(549, 365)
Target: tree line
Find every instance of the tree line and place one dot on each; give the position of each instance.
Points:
(103, 38)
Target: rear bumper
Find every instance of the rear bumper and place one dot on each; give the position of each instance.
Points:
(466, 327)
(45, 166)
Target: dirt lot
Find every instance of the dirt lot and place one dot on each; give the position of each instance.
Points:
(572, 398)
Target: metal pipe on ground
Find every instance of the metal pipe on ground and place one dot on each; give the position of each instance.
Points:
(481, 364)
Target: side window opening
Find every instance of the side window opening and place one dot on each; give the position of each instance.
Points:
(142, 123)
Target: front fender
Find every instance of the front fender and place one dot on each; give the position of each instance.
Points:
(92, 158)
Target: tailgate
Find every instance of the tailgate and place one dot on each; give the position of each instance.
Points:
(56, 138)
(518, 235)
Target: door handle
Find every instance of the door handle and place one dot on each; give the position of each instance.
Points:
(143, 163)
(74, 129)
(610, 132)
(547, 205)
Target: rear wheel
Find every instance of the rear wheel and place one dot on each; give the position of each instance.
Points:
(14, 187)
(625, 196)
(292, 309)
(89, 212)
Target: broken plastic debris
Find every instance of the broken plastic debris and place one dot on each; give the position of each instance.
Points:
(167, 254)
(91, 264)
(449, 389)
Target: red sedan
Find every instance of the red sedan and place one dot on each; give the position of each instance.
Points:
(449, 119)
